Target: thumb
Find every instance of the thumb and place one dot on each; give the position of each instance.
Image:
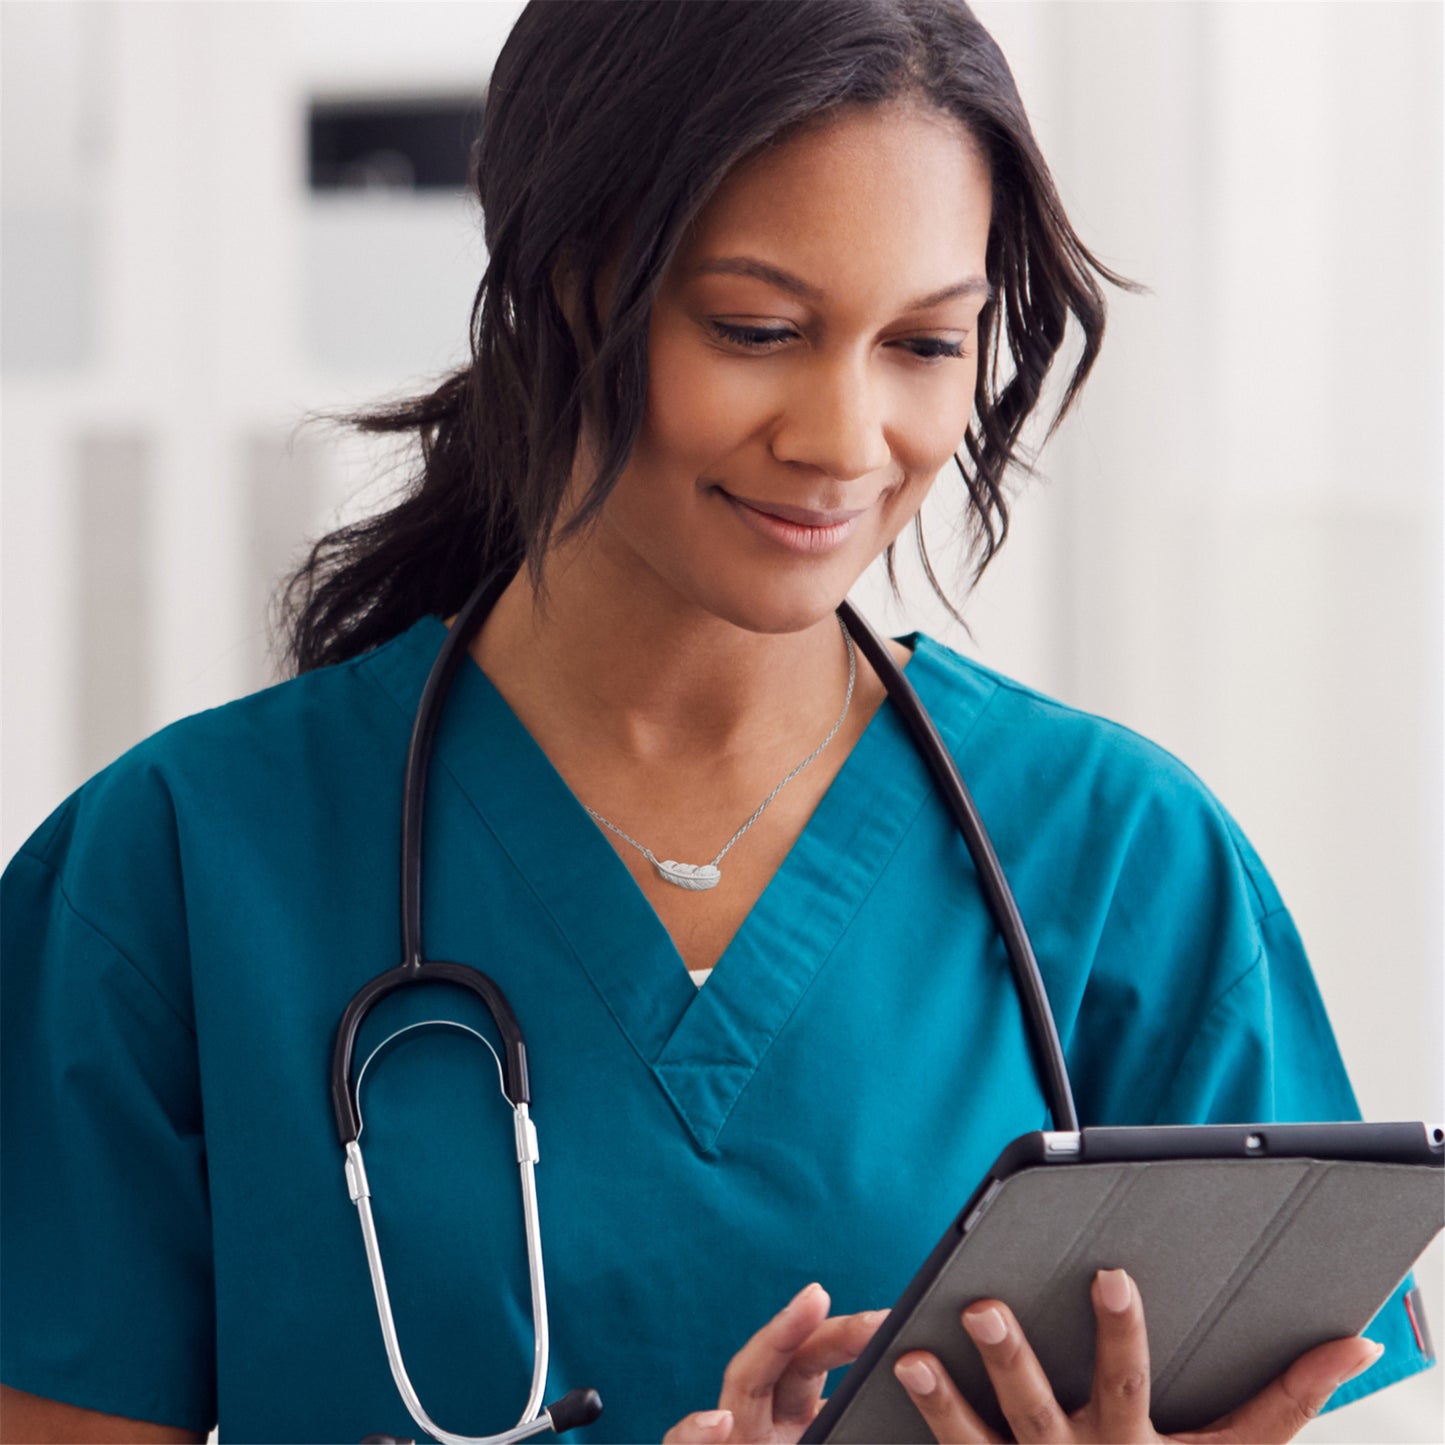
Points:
(1287, 1404)
(706, 1428)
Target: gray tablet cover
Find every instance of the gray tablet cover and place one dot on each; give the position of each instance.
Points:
(1242, 1264)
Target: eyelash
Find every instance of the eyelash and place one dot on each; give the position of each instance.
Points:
(761, 338)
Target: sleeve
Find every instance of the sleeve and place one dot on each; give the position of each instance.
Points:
(109, 1299)
(1264, 1052)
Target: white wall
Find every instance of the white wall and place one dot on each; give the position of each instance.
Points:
(1238, 551)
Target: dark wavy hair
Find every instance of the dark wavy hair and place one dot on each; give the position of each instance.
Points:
(608, 125)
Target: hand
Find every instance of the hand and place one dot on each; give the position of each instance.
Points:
(1118, 1409)
(773, 1386)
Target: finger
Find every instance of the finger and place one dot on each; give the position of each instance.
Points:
(705, 1428)
(753, 1373)
(837, 1341)
(1024, 1393)
(937, 1399)
(1287, 1404)
(1120, 1399)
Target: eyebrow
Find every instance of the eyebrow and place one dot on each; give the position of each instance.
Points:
(786, 281)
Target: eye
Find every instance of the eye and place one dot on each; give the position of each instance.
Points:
(754, 338)
(928, 349)
(933, 349)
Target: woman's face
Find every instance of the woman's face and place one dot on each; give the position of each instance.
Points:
(813, 346)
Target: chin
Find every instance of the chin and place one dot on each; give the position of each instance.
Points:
(777, 604)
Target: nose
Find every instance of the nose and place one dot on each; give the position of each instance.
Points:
(834, 420)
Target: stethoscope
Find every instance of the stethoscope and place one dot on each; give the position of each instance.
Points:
(582, 1407)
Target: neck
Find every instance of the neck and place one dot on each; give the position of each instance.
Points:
(650, 678)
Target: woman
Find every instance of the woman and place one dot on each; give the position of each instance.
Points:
(757, 273)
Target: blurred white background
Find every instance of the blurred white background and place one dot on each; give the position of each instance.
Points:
(1238, 550)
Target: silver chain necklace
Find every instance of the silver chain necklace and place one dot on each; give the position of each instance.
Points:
(698, 876)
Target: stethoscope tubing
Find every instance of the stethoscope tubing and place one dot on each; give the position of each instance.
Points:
(581, 1406)
(453, 651)
(533, 1419)
(1043, 1033)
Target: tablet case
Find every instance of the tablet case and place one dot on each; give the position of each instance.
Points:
(1257, 1238)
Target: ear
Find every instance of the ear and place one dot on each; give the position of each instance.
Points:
(565, 291)
(566, 284)
(566, 281)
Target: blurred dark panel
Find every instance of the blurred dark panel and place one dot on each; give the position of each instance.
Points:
(420, 144)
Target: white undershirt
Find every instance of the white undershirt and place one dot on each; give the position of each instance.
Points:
(699, 975)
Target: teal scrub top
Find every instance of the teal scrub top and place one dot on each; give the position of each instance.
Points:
(182, 934)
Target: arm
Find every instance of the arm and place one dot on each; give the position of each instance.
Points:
(31, 1420)
(108, 1297)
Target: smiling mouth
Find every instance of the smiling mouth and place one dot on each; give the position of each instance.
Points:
(799, 516)
(801, 539)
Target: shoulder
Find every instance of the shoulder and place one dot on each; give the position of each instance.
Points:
(1042, 725)
(1173, 968)
(1064, 779)
(190, 795)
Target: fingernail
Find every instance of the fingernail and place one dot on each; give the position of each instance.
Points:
(1114, 1292)
(873, 1317)
(986, 1326)
(1377, 1350)
(916, 1376)
(805, 1293)
(714, 1418)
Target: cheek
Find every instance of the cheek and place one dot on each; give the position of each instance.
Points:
(697, 411)
(928, 433)
(929, 417)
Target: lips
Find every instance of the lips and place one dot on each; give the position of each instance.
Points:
(799, 516)
(803, 539)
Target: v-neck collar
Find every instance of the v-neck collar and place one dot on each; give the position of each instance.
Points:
(703, 1046)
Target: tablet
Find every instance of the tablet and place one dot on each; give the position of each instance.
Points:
(1250, 1244)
